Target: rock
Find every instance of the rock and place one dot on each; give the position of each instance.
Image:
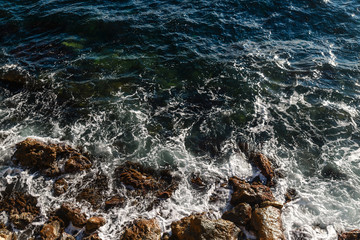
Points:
(50, 231)
(94, 223)
(6, 235)
(269, 203)
(94, 236)
(197, 182)
(115, 201)
(21, 220)
(74, 215)
(240, 214)
(290, 195)
(137, 180)
(38, 155)
(263, 163)
(94, 193)
(60, 186)
(249, 193)
(66, 236)
(196, 227)
(77, 162)
(143, 229)
(267, 222)
(352, 235)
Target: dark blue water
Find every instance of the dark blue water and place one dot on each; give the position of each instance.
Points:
(181, 83)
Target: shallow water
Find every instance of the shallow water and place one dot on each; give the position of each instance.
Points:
(173, 83)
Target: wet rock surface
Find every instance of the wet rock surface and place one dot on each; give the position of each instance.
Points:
(71, 214)
(115, 201)
(50, 231)
(267, 222)
(94, 192)
(199, 226)
(263, 163)
(60, 186)
(7, 235)
(22, 208)
(240, 214)
(352, 235)
(40, 156)
(94, 223)
(143, 229)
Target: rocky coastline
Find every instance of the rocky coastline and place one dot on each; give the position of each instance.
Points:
(254, 212)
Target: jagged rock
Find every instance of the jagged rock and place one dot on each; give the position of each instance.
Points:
(77, 162)
(136, 177)
(143, 229)
(38, 155)
(74, 215)
(21, 220)
(352, 235)
(94, 236)
(249, 193)
(66, 236)
(60, 186)
(267, 222)
(94, 223)
(94, 193)
(240, 214)
(290, 195)
(197, 182)
(199, 227)
(263, 163)
(21, 208)
(6, 235)
(274, 204)
(115, 201)
(50, 231)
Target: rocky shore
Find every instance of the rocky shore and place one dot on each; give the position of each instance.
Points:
(254, 211)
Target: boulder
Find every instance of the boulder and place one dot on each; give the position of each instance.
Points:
(115, 201)
(66, 236)
(269, 203)
(240, 214)
(95, 189)
(254, 193)
(143, 229)
(40, 156)
(76, 163)
(21, 220)
(264, 165)
(94, 223)
(352, 235)
(199, 227)
(50, 231)
(137, 180)
(60, 186)
(74, 215)
(6, 235)
(267, 222)
(94, 236)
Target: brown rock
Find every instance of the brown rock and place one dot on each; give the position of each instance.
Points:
(60, 186)
(269, 203)
(94, 193)
(94, 223)
(137, 180)
(21, 220)
(198, 227)
(267, 222)
(50, 231)
(290, 195)
(66, 236)
(263, 163)
(143, 229)
(240, 214)
(94, 236)
(77, 162)
(6, 234)
(35, 154)
(115, 201)
(252, 194)
(352, 235)
(74, 215)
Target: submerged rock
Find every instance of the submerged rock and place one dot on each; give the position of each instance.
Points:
(50, 231)
(196, 227)
(267, 222)
(115, 201)
(68, 213)
(143, 229)
(95, 189)
(40, 156)
(352, 235)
